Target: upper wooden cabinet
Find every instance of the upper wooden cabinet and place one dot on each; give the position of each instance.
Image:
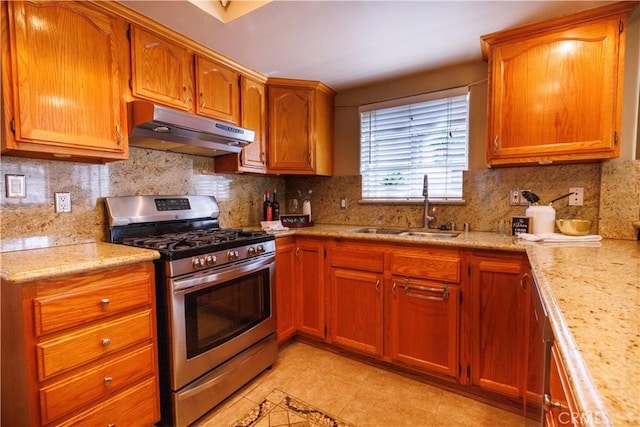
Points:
(217, 90)
(300, 132)
(161, 70)
(253, 116)
(62, 74)
(555, 88)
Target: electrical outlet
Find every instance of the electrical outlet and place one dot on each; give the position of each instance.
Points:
(63, 202)
(577, 198)
(516, 198)
(343, 203)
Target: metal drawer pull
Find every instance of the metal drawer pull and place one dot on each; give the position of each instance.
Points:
(523, 281)
(111, 425)
(105, 301)
(106, 341)
(408, 287)
(108, 380)
(550, 404)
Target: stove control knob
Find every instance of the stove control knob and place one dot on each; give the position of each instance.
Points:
(198, 263)
(211, 260)
(251, 251)
(260, 249)
(232, 255)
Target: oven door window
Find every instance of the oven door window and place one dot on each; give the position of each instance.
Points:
(219, 313)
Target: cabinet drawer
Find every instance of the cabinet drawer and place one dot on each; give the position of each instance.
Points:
(103, 297)
(435, 264)
(136, 406)
(66, 396)
(84, 345)
(355, 259)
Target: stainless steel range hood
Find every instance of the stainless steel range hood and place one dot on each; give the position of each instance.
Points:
(161, 128)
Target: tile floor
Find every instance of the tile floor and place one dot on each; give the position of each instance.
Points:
(358, 394)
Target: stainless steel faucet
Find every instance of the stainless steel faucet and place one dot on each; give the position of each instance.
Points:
(425, 192)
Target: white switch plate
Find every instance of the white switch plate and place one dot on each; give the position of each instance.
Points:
(577, 198)
(63, 202)
(343, 203)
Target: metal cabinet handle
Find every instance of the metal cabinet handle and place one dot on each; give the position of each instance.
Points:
(408, 287)
(111, 425)
(106, 341)
(378, 286)
(495, 145)
(523, 280)
(105, 301)
(393, 289)
(297, 252)
(118, 135)
(108, 380)
(550, 404)
(202, 103)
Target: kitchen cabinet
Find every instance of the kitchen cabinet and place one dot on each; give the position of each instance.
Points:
(561, 408)
(497, 320)
(356, 297)
(82, 349)
(425, 309)
(62, 90)
(217, 90)
(300, 127)
(555, 88)
(310, 287)
(252, 158)
(534, 350)
(285, 288)
(161, 70)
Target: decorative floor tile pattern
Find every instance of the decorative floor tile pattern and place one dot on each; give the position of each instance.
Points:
(279, 409)
(325, 389)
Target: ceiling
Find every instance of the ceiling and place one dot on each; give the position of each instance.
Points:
(347, 44)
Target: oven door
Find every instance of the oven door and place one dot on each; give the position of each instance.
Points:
(218, 313)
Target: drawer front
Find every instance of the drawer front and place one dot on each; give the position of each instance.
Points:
(87, 344)
(136, 406)
(357, 260)
(67, 396)
(436, 264)
(100, 298)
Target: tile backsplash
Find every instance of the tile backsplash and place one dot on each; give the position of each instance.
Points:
(611, 196)
(32, 222)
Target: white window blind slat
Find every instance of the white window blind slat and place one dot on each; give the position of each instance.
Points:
(399, 144)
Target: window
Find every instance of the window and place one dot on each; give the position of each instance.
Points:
(402, 140)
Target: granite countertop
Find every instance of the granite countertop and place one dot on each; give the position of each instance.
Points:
(25, 266)
(591, 292)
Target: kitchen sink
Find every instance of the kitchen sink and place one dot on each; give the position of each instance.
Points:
(378, 230)
(395, 231)
(436, 234)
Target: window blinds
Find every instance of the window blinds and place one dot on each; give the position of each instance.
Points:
(403, 140)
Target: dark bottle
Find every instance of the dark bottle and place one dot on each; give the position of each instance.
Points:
(275, 206)
(267, 208)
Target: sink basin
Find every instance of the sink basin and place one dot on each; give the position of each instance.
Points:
(395, 231)
(433, 234)
(378, 231)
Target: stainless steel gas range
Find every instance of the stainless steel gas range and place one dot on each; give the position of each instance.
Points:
(216, 324)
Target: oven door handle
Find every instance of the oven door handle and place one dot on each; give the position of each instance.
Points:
(207, 280)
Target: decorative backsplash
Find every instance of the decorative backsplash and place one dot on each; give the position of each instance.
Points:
(611, 196)
(32, 222)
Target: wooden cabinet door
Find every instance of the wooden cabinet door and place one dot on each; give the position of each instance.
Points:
(535, 345)
(285, 304)
(356, 310)
(497, 323)
(309, 287)
(162, 71)
(291, 126)
(562, 409)
(254, 117)
(424, 324)
(217, 91)
(556, 95)
(66, 76)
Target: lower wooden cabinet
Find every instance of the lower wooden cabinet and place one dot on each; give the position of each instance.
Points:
(81, 350)
(285, 288)
(310, 287)
(561, 408)
(496, 322)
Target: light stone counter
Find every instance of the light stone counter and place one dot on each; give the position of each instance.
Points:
(19, 267)
(592, 296)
